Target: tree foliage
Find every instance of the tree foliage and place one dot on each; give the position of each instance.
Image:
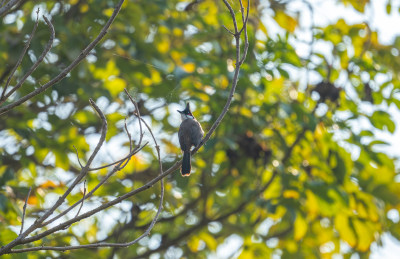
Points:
(294, 169)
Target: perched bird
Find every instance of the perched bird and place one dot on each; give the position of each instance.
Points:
(190, 134)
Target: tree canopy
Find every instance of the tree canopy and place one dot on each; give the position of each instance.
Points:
(295, 168)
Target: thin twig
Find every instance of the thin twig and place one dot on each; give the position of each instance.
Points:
(118, 161)
(65, 71)
(84, 193)
(27, 44)
(77, 157)
(24, 210)
(137, 114)
(115, 169)
(78, 218)
(229, 31)
(239, 61)
(247, 14)
(244, 28)
(36, 64)
(84, 171)
(120, 165)
(8, 6)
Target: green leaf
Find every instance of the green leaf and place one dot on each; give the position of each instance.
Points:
(383, 121)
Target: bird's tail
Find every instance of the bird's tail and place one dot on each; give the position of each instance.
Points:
(185, 170)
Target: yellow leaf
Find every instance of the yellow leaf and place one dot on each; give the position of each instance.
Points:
(104, 73)
(108, 12)
(81, 117)
(32, 200)
(84, 8)
(177, 57)
(365, 235)
(115, 86)
(285, 21)
(291, 246)
(342, 224)
(177, 32)
(312, 204)
(209, 203)
(189, 67)
(61, 160)
(246, 254)
(210, 14)
(193, 243)
(146, 81)
(280, 211)
(155, 76)
(137, 163)
(48, 184)
(274, 189)
(220, 157)
(204, 97)
(300, 227)
(291, 194)
(246, 112)
(29, 123)
(209, 240)
(163, 46)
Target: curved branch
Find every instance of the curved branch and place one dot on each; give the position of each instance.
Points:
(96, 245)
(239, 61)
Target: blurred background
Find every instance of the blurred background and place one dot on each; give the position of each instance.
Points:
(304, 165)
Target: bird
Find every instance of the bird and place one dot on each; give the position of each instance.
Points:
(190, 134)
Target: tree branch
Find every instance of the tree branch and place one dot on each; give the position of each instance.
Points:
(65, 72)
(8, 6)
(24, 210)
(34, 66)
(27, 44)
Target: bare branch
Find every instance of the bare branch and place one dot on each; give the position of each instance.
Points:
(35, 65)
(27, 44)
(77, 157)
(121, 164)
(24, 210)
(78, 218)
(244, 29)
(244, 21)
(130, 143)
(84, 171)
(229, 31)
(115, 169)
(64, 72)
(84, 192)
(8, 6)
(239, 61)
